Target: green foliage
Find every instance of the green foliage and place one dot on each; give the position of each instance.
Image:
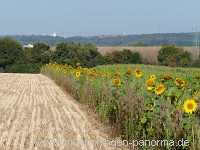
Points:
(24, 68)
(123, 57)
(134, 111)
(10, 52)
(13, 58)
(173, 56)
(196, 63)
(72, 53)
(33, 59)
(184, 59)
(40, 53)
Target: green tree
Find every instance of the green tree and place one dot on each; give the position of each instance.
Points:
(184, 59)
(40, 53)
(171, 55)
(32, 60)
(73, 53)
(123, 57)
(10, 52)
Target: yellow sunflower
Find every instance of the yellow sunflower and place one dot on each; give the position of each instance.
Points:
(153, 77)
(117, 74)
(129, 71)
(138, 73)
(160, 89)
(166, 77)
(180, 83)
(77, 74)
(190, 106)
(150, 83)
(116, 82)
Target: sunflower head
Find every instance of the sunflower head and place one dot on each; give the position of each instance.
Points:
(180, 83)
(138, 73)
(160, 89)
(129, 71)
(77, 74)
(190, 106)
(117, 74)
(153, 76)
(150, 83)
(166, 77)
(116, 82)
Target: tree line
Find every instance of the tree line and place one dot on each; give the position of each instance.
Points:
(14, 58)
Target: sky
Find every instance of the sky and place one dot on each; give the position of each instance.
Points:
(98, 17)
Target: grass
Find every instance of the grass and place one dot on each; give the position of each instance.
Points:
(139, 101)
(152, 69)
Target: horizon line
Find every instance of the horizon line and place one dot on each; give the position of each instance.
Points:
(100, 35)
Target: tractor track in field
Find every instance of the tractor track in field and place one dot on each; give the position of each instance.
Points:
(35, 114)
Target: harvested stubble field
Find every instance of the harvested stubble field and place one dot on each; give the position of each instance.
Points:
(33, 109)
(148, 53)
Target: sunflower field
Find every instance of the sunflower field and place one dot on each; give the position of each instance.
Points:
(138, 101)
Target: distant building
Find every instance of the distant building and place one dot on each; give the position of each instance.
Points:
(54, 34)
(28, 46)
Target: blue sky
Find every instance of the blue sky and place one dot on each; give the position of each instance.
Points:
(97, 17)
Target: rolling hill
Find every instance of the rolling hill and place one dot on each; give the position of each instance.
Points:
(180, 39)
